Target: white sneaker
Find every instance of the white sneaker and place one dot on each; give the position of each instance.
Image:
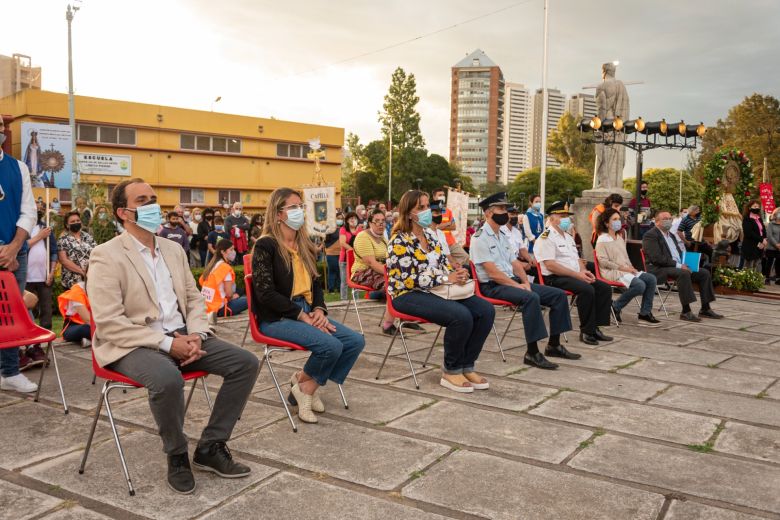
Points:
(18, 383)
(212, 318)
(85, 343)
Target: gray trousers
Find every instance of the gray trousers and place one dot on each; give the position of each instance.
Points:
(685, 281)
(161, 376)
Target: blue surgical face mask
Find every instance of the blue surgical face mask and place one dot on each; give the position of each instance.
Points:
(219, 228)
(616, 225)
(148, 217)
(339, 222)
(425, 218)
(565, 223)
(295, 218)
(537, 206)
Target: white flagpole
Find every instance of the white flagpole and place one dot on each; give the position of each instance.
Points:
(48, 253)
(545, 102)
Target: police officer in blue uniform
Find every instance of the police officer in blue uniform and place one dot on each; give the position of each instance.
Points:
(501, 275)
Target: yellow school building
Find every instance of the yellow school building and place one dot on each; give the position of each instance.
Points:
(191, 157)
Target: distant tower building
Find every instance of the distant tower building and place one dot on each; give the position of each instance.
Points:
(582, 105)
(17, 73)
(516, 156)
(476, 117)
(556, 106)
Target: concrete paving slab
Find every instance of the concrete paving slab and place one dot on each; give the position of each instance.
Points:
(595, 358)
(688, 510)
(749, 409)
(735, 323)
(706, 475)
(365, 456)
(369, 403)
(489, 363)
(103, 479)
(367, 365)
(75, 512)
(774, 391)
(602, 383)
(7, 398)
(511, 490)
(705, 329)
(54, 432)
(508, 433)
(737, 346)
(20, 503)
(663, 352)
(622, 416)
(767, 329)
(712, 378)
(762, 367)
(289, 497)
(750, 441)
(676, 336)
(503, 393)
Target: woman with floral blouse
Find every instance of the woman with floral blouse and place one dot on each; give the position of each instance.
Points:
(415, 265)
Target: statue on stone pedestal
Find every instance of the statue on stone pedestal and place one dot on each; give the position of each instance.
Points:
(611, 102)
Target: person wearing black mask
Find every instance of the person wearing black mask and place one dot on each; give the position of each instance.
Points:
(644, 208)
(205, 226)
(73, 249)
(754, 231)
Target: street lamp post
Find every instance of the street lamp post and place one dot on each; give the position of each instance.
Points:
(545, 104)
(71, 11)
(390, 169)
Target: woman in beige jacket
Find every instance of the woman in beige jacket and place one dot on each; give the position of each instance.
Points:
(616, 267)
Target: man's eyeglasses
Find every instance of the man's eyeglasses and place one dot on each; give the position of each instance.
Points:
(378, 222)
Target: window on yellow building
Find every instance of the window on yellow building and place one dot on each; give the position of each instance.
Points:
(106, 134)
(191, 196)
(296, 151)
(229, 196)
(207, 143)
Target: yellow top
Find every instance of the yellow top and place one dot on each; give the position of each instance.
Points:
(365, 245)
(301, 278)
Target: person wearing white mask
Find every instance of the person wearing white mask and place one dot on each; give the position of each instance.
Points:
(237, 226)
(290, 304)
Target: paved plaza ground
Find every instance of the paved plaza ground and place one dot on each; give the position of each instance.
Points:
(679, 422)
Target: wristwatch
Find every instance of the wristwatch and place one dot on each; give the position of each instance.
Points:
(203, 336)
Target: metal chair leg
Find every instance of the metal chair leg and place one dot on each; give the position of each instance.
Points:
(108, 389)
(357, 312)
(663, 302)
(59, 379)
(246, 332)
(408, 358)
(613, 316)
(343, 398)
(94, 378)
(43, 370)
(388, 351)
(430, 351)
(92, 431)
(279, 389)
(208, 395)
(189, 396)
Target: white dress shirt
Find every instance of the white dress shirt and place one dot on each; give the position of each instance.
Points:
(170, 318)
(29, 213)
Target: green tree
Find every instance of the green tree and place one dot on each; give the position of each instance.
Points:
(350, 164)
(560, 184)
(567, 145)
(489, 188)
(400, 111)
(664, 188)
(752, 126)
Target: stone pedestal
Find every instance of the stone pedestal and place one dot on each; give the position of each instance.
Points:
(584, 205)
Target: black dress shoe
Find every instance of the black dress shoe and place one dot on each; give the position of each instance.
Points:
(180, 478)
(709, 313)
(588, 339)
(601, 336)
(648, 320)
(689, 316)
(539, 361)
(414, 326)
(216, 457)
(389, 331)
(560, 351)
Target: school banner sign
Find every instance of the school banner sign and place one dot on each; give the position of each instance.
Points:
(105, 164)
(320, 210)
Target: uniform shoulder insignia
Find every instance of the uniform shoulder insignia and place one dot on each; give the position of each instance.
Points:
(478, 232)
(545, 233)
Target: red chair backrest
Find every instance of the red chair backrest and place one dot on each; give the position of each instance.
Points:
(15, 321)
(596, 266)
(539, 276)
(644, 264)
(393, 312)
(247, 265)
(477, 290)
(257, 335)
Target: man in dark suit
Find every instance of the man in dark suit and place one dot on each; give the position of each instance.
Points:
(664, 255)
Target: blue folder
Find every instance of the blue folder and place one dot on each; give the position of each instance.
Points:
(692, 261)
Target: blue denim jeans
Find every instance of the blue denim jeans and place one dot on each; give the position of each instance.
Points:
(75, 332)
(334, 273)
(468, 324)
(9, 357)
(236, 306)
(643, 284)
(332, 355)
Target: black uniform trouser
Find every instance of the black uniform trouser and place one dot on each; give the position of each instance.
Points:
(594, 300)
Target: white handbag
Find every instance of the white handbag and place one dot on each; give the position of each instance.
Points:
(454, 291)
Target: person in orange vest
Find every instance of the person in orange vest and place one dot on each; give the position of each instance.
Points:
(75, 309)
(218, 283)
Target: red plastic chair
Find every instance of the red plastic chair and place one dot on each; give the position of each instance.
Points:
(404, 320)
(356, 288)
(619, 287)
(671, 283)
(272, 344)
(115, 380)
(20, 330)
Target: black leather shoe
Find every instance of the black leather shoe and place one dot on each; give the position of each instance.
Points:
(216, 458)
(601, 336)
(414, 326)
(588, 339)
(560, 351)
(539, 361)
(709, 313)
(648, 320)
(180, 478)
(689, 316)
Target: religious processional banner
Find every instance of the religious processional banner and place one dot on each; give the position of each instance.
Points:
(767, 197)
(458, 203)
(47, 150)
(320, 210)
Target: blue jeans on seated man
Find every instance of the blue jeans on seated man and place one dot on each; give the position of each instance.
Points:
(468, 324)
(643, 284)
(75, 332)
(332, 355)
(9, 357)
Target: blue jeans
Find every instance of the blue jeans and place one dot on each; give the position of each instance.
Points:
(75, 332)
(9, 357)
(332, 355)
(334, 273)
(468, 324)
(643, 284)
(236, 306)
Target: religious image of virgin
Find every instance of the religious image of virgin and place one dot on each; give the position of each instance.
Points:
(33, 160)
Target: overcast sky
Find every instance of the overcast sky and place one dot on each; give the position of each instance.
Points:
(697, 58)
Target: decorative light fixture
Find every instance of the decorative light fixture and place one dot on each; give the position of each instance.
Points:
(588, 124)
(655, 127)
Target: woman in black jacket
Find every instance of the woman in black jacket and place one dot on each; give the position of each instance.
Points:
(289, 303)
(205, 226)
(754, 240)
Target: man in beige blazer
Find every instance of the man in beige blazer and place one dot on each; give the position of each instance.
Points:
(151, 325)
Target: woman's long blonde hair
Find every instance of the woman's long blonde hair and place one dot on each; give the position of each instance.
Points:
(272, 227)
(407, 203)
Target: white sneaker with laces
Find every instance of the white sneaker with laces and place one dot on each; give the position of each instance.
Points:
(85, 343)
(18, 383)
